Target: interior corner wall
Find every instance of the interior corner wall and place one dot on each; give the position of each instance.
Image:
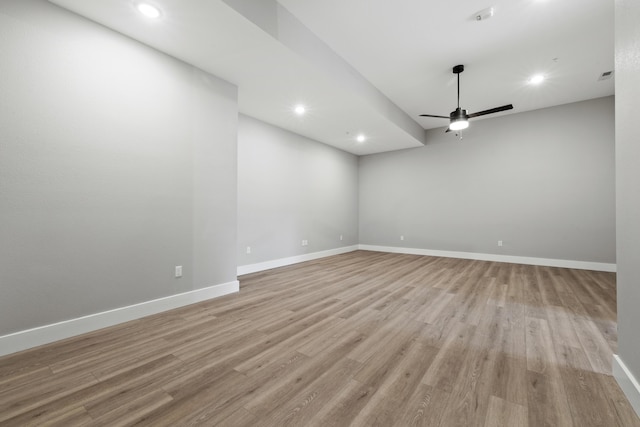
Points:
(540, 181)
(627, 75)
(117, 163)
(291, 188)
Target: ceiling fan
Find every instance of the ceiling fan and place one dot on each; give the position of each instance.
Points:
(459, 119)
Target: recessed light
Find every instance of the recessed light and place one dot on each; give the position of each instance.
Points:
(300, 109)
(148, 10)
(361, 138)
(537, 79)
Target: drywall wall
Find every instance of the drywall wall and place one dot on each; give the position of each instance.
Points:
(290, 189)
(540, 181)
(628, 183)
(117, 163)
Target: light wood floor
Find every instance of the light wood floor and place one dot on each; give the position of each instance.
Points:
(359, 339)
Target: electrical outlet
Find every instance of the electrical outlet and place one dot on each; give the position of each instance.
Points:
(499, 242)
(401, 237)
(341, 237)
(305, 243)
(178, 271)
(248, 249)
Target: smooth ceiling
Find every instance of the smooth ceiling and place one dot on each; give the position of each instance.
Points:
(373, 66)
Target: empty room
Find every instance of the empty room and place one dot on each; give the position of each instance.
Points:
(319, 213)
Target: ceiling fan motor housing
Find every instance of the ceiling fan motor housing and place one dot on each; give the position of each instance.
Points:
(459, 114)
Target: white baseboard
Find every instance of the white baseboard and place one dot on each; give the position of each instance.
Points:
(30, 338)
(627, 382)
(267, 265)
(547, 262)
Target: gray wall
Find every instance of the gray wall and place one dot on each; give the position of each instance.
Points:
(117, 163)
(291, 188)
(540, 181)
(628, 180)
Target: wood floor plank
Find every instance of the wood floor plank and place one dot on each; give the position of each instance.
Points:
(547, 404)
(388, 335)
(358, 339)
(624, 412)
(437, 301)
(248, 366)
(305, 407)
(190, 402)
(61, 415)
(131, 411)
(71, 418)
(24, 378)
(472, 389)
(586, 397)
(445, 368)
(424, 408)
(510, 381)
(240, 418)
(102, 391)
(329, 334)
(14, 402)
(594, 345)
(245, 389)
(345, 406)
(502, 413)
(397, 387)
(285, 387)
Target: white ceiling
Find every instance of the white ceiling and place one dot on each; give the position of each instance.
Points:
(373, 66)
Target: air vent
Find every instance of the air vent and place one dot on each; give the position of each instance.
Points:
(606, 75)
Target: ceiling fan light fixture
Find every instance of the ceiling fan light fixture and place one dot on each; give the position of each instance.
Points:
(459, 124)
(459, 119)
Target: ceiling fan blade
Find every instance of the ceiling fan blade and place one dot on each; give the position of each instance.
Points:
(431, 115)
(491, 111)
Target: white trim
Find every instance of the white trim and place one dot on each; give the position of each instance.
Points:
(29, 338)
(267, 265)
(627, 382)
(547, 262)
